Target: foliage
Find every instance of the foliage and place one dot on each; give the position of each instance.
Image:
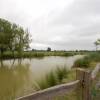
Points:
(82, 63)
(33, 54)
(86, 61)
(95, 56)
(48, 49)
(13, 37)
(61, 73)
(48, 81)
(52, 78)
(30, 54)
(5, 34)
(97, 43)
(95, 91)
(68, 54)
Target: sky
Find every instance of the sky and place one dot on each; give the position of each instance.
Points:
(59, 24)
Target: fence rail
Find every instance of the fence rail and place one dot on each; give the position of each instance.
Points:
(82, 84)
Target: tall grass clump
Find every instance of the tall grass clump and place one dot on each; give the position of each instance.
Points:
(61, 73)
(82, 63)
(52, 78)
(87, 60)
(95, 56)
(47, 81)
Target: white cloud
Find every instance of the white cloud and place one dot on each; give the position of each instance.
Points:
(56, 39)
(60, 24)
(39, 46)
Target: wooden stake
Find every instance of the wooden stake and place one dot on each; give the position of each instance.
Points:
(84, 88)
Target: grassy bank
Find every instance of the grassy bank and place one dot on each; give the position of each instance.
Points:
(40, 53)
(96, 88)
(54, 77)
(89, 61)
(31, 54)
(63, 75)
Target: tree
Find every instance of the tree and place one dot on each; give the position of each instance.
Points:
(48, 49)
(5, 35)
(97, 43)
(13, 37)
(21, 40)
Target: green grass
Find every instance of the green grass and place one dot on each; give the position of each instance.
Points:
(88, 61)
(95, 56)
(53, 78)
(82, 63)
(58, 76)
(95, 91)
(31, 54)
(61, 73)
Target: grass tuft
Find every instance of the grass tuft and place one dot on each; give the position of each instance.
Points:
(61, 73)
(82, 63)
(52, 78)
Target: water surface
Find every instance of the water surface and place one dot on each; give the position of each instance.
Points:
(17, 79)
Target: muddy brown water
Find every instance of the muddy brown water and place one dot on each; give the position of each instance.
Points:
(18, 79)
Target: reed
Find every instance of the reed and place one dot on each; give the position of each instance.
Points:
(61, 73)
(32, 54)
(87, 60)
(52, 78)
(82, 63)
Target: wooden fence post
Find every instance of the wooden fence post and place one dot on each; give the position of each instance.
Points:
(84, 88)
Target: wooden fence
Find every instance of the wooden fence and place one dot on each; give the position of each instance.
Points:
(82, 84)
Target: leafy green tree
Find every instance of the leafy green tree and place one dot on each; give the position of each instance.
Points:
(13, 37)
(5, 35)
(21, 40)
(97, 43)
(48, 49)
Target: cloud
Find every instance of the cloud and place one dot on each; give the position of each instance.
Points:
(39, 46)
(60, 24)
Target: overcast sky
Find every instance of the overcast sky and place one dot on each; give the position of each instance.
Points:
(59, 24)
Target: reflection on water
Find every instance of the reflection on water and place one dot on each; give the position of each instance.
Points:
(17, 79)
(12, 81)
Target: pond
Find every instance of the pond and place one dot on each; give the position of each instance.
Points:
(17, 79)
